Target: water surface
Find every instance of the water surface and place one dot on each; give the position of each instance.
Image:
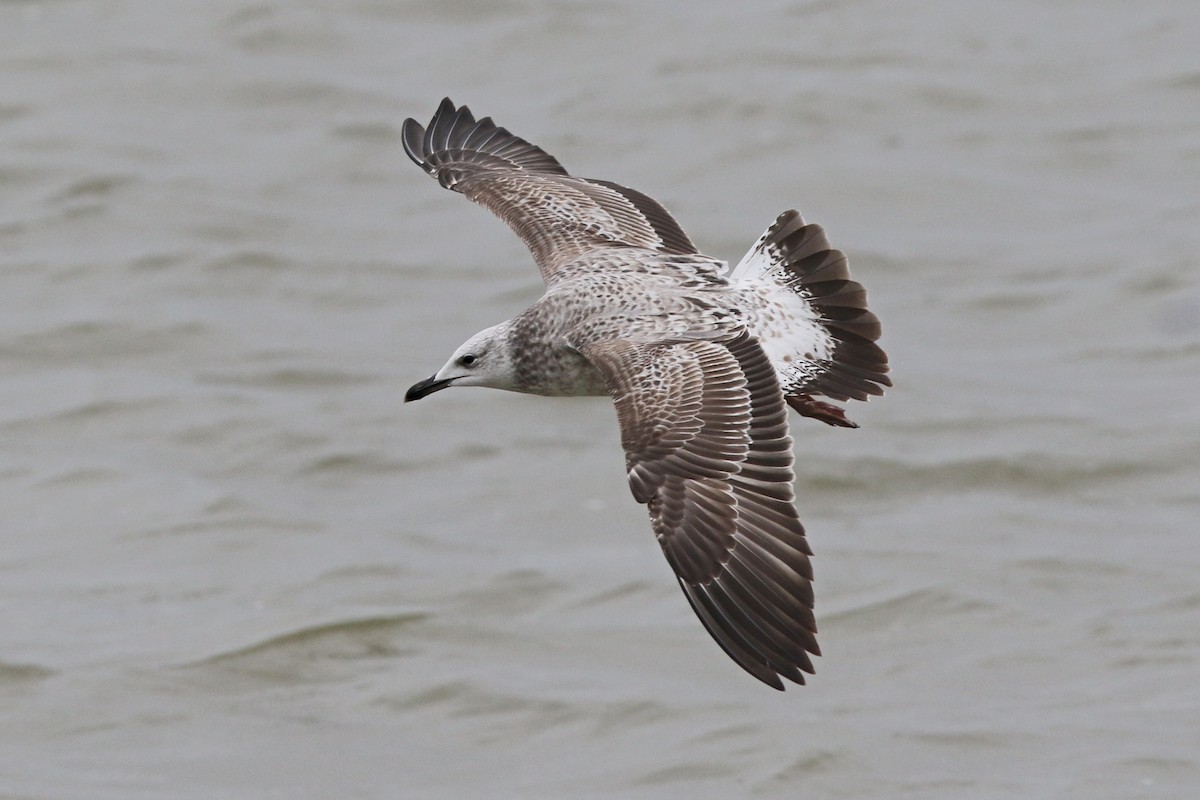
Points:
(235, 565)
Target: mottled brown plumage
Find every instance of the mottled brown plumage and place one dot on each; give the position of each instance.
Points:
(701, 368)
(558, 216)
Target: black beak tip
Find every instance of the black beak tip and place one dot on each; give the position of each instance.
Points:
(424, 388)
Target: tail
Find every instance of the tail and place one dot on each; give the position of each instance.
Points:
(821, 336)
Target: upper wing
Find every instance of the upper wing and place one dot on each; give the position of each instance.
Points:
(704, 428)
(558, 216)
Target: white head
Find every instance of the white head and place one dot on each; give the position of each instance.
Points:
(483, 360)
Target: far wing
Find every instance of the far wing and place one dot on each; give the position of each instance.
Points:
(704, 428)
(558, 216)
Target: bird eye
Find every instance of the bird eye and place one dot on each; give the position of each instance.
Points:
(467, 360)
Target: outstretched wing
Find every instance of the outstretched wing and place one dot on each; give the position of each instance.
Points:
(558, 216)
(704, 428)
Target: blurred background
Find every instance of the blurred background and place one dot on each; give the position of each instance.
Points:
(234, 564)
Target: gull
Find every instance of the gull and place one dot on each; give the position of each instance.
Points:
(700, 361)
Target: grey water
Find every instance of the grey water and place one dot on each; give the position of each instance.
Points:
(233, 564)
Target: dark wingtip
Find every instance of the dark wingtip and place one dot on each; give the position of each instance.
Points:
(454, 138)
(413, 137)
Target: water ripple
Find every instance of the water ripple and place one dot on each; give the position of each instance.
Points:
(300, 654)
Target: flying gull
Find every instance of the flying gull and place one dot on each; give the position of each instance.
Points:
(700, 361)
